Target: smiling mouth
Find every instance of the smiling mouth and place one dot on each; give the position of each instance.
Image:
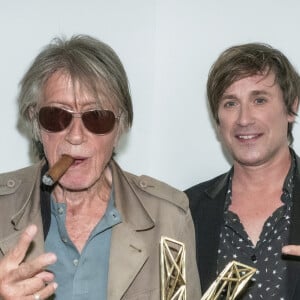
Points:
(248, 137)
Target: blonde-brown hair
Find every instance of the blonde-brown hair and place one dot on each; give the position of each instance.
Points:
(245, 60)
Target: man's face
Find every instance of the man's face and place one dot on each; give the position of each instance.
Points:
(92, 152)
(253, 120)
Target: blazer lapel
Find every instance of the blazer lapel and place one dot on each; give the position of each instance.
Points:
(209, 227)
(293, 280)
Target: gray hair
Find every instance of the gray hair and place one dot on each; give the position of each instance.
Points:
(89, 62)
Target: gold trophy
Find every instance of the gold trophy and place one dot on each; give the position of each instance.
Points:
(172, 269)
(230, 282)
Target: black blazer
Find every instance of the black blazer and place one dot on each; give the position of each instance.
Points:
(207, 207)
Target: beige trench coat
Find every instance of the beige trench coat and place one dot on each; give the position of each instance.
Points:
(149, 209)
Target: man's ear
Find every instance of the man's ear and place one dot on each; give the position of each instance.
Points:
(296, 105)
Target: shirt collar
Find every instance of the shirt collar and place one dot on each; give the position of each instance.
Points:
(288, 184)
(287, 188)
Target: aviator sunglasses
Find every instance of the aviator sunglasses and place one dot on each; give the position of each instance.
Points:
(55, 119)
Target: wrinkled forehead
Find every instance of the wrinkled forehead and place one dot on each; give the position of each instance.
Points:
(84, 88)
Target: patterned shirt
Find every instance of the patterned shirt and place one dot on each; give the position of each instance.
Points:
(269, 280)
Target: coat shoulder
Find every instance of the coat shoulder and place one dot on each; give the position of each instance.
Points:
(159, 189)
(10, 182)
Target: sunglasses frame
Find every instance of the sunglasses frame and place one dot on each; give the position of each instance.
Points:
(77, 115)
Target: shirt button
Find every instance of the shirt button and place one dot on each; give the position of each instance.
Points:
(75, 262)
(253, 258)
(114, 214)
(60, 210)
(65, 240)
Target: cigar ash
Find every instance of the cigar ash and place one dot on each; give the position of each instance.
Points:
(58, 169)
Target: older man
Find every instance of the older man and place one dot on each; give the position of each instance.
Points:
(97, 229)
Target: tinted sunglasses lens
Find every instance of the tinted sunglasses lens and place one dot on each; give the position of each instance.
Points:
(54, 119)
(99, 121)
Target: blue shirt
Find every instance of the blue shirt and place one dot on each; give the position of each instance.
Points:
(82, 275)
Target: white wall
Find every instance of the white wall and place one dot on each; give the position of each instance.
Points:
(167, 47)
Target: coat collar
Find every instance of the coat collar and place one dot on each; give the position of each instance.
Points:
(127, 200)
(129, 250)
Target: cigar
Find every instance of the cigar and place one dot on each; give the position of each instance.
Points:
(58, 169)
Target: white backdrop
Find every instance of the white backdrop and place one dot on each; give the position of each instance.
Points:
(167, 47)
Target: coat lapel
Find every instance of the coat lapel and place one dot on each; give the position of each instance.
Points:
(130, 254)
(129, 250)
(36, 248)
(9, 242)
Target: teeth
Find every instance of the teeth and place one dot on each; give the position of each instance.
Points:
(246, 137)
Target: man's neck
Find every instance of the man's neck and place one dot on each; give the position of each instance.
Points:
(269, 174)
(256, 193)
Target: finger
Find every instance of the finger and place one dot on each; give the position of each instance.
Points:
(45, 276)
(32, 268)
(22, 288)
(291, 250)
(30, 286)
(45, 292)
(18, 253)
